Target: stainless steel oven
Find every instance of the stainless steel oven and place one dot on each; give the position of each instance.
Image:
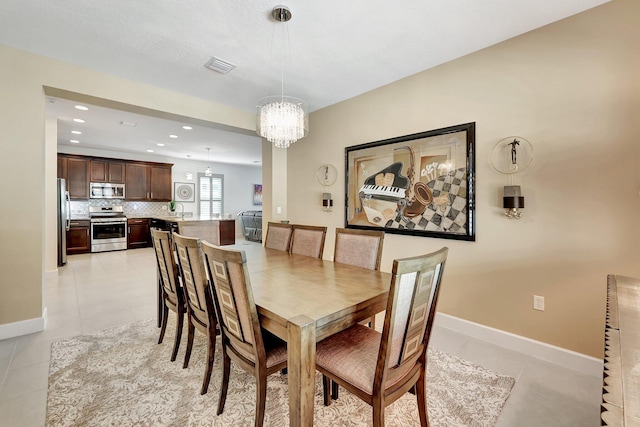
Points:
(108, 228)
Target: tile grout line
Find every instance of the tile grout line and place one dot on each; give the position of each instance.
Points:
(6, 373)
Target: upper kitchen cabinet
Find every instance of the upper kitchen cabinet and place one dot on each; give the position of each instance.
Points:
(148, 181)
(75, 170)
(107, 170)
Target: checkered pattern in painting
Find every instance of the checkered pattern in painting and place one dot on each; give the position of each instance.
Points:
(447, 212)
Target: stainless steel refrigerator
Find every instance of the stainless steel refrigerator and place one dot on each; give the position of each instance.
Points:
(64, 212)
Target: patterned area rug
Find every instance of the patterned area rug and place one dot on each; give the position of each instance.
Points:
(121, 377)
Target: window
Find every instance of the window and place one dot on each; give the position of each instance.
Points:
(210, 193)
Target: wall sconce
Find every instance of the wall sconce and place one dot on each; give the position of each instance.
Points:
(512, 201)
(189, 175)
(327, 202)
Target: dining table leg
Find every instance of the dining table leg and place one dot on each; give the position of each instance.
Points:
(301, 348)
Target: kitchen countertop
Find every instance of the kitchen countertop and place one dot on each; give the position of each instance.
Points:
(189, 219)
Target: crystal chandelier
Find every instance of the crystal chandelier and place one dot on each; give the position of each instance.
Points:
(208, 171)
(282, 119)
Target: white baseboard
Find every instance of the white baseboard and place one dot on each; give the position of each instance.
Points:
(23, 327)
(51, 274)
(558, 355)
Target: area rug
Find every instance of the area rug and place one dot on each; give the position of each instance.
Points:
(121, 377)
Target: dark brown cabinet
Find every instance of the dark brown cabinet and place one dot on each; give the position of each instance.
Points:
(148, 182)
(138, 234)
(106, 170)
(79, 237)
(75, 170)
(144, 181)
(227, 232)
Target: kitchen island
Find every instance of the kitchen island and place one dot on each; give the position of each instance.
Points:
(217, 231)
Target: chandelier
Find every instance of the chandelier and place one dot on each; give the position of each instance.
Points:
(282, 119)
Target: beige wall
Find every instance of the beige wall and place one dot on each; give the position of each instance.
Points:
(27, 163)
(572, 89)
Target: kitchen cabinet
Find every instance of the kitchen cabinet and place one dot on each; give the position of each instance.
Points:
(148, 181)
(160, 183)
(138, 233)
(79, 237)
(75, 170)
(107, 170)
(144, 181)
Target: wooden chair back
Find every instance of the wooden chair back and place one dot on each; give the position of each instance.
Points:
(234, 303)
(278, 236)
(170, 292)
(362, 248)
(166, 263)
(411, 307)
(194, 279)
(308, 240)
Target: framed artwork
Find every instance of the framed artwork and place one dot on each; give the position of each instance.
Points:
(257, 194)
(421, 184)
(184, 191)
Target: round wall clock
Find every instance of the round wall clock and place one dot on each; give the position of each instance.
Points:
(327, 174)
(511, 155)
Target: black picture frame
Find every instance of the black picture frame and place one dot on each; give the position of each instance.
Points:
(421, 184)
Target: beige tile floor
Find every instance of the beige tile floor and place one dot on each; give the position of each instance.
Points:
(97, 291)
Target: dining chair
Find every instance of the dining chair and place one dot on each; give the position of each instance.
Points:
(243, 340)
(172, 297)
(362, 248)
(278, 236)
(200, 309)
(308, 240)
(379, 368)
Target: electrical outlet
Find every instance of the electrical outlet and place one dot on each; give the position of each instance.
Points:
(538, 303)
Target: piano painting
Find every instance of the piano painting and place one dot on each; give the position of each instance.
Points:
(387, 184)
(417, 184)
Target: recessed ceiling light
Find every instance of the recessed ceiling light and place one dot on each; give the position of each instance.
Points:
(123, 123)
(187, 127)
(159, 144)
(75, 141)
(78, 120)
(76, 132)
(149, 151)
(173, 136)
(81, 107)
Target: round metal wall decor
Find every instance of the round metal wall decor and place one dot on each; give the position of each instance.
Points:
(184, 192)
(511, 155)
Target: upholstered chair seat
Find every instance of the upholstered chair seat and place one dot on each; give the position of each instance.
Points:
(274, 347)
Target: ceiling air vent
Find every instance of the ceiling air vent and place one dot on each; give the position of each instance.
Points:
(219, 65)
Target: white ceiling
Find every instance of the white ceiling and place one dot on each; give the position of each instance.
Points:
(338, 49)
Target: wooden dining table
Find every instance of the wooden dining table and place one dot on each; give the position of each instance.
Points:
(303, 300)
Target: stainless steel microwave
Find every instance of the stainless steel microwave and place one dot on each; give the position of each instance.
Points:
(103, 190)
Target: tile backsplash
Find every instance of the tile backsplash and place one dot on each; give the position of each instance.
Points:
(80, 209)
